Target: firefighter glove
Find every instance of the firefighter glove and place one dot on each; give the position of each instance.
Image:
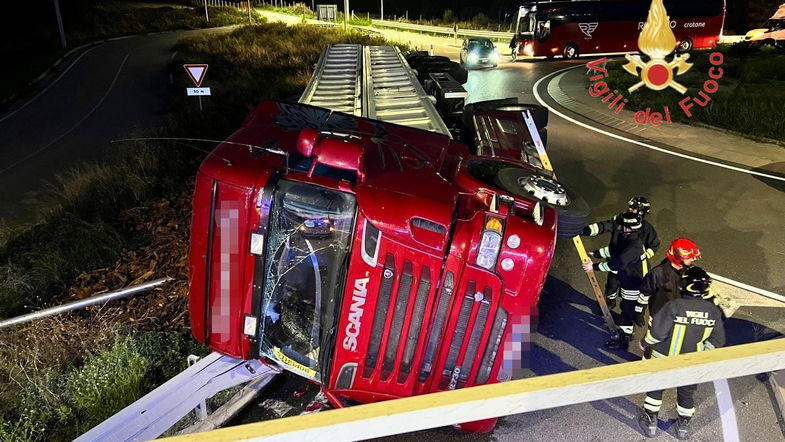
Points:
(587, 266)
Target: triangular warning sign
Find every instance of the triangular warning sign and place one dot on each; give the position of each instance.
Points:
(196, 72)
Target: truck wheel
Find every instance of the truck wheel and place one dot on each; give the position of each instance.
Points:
(574, 212)
(685, 45)
(570, 51)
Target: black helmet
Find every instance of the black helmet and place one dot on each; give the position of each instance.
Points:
(631, 220)
(695, 282)
(639, 204)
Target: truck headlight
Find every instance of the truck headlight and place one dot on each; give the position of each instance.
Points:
(490, 244)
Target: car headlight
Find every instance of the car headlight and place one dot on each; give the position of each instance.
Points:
(473, 57)
(495, 55)
(490, 244)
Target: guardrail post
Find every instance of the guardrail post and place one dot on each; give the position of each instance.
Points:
(201, 409)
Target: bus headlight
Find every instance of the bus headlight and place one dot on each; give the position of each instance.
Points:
(490, 243)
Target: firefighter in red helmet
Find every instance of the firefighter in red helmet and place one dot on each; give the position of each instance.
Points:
(692, 322)
(661, 284)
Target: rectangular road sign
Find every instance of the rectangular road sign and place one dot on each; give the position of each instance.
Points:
(194, 91)
(196, 72)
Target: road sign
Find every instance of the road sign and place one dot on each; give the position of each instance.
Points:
(196, 72)
(197, 91)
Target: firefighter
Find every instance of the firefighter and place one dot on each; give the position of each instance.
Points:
(687, 324)
(661, 284)
(624, 260)
(641, 206)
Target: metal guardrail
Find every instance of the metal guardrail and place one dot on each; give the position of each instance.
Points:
(82, 303)
(159, 410)
(443, 30)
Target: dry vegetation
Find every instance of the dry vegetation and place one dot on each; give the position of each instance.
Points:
(110, 225)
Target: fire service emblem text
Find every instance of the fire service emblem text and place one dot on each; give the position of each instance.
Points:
(657, 41)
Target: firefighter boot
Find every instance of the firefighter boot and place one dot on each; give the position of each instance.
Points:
(620, 342)
(648, 422)
(683, 428)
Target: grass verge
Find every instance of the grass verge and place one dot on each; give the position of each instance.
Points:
(63, 375)
(749, 99)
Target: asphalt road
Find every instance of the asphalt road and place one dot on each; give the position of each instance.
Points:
(103, 93)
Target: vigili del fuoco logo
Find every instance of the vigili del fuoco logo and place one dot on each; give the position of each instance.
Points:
(657, 41)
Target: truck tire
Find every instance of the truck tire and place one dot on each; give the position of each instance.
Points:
(573, 215)
(457, 71)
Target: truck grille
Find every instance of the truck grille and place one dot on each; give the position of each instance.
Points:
(414, 327)
(437, 328)
(382, 306)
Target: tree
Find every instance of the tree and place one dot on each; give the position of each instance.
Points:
(449, 16)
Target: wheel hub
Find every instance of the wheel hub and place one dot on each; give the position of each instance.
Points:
(544, 188)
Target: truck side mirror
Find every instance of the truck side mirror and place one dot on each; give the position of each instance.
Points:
(340, 154)
(306, 141)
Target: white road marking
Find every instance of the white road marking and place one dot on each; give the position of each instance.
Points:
(640, 143)
(47, 88)
(78, 123)
(756, 290)
(730, 429)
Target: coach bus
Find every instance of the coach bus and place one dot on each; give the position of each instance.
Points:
(573, 28)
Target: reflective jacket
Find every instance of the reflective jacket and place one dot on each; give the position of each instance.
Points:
(659, 286)
(647, 235)
(685, 325)
(625, 262)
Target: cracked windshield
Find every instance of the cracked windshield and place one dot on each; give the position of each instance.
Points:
(308, 242)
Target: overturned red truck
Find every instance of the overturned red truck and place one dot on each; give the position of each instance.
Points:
(377, 260)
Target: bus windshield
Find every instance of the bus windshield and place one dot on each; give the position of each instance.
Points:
(310, 229)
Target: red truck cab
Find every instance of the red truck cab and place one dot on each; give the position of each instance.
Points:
(377, 260)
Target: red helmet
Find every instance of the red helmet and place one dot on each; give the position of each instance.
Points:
(681, 249)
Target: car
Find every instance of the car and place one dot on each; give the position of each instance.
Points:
(479, 51)
(772, 33)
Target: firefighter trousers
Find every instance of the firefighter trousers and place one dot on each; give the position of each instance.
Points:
(629, 300)
(685, 401)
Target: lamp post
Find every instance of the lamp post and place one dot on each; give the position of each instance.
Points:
(345, 13)
(381, 14)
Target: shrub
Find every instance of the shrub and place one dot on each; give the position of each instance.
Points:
(448, 17)
(480, 20)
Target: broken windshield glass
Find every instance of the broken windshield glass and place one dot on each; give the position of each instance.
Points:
(308, 240)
